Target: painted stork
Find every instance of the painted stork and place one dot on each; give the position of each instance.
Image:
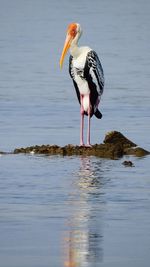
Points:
(87, 74)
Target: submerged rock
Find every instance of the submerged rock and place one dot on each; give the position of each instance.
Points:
(115, 146)
(3, 153)
(128, 163)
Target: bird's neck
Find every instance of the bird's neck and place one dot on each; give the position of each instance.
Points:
(74, 48)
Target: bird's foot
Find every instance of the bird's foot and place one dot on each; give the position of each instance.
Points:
(82, 145)
(88, 145)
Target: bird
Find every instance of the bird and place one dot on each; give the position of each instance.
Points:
(87, 75)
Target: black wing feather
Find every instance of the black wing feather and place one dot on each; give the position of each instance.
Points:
(93, 69)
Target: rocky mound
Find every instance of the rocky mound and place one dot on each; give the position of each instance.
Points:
(115, 145)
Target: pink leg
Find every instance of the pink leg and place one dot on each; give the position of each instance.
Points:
(88, 129)
(82, 121)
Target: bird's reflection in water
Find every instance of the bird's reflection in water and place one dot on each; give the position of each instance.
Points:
(84, 237)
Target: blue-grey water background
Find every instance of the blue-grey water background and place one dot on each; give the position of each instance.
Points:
(73, 211)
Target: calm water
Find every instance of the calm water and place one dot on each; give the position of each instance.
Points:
(73, 211)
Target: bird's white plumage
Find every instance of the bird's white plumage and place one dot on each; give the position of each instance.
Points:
(78, 64)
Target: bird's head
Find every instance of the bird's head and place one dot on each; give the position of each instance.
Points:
(73, 34)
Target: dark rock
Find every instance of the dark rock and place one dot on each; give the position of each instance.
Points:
(115, 137)
(137, 151)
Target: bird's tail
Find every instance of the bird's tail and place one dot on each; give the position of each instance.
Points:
(98, 114)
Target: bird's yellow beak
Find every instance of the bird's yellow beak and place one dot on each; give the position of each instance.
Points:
(71, 33)
(65, 49)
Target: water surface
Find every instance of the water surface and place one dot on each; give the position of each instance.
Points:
(74, 211)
